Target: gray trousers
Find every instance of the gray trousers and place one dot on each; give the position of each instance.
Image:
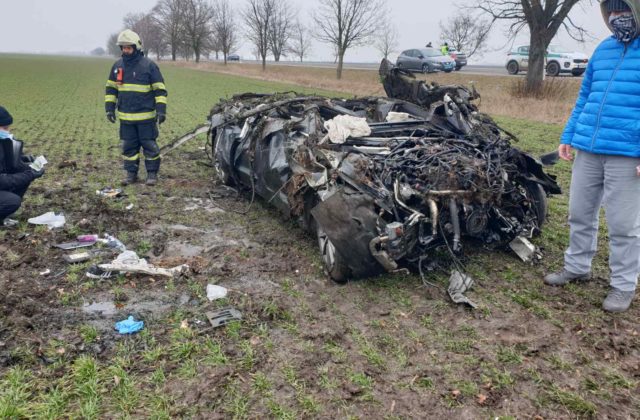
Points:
(610, 181)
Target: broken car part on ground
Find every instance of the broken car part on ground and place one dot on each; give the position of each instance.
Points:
(384, 182)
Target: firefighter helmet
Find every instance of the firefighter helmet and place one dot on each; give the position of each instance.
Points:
(128, 37)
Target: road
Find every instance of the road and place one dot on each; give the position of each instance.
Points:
(490, 70)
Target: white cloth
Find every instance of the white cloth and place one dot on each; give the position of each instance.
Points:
(344, 126)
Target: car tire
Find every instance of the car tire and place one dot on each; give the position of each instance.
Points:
(513, 68)
(553, 69)
(399, 65)
(539, 198)
(426, 69)
(334, 264)
(458, 68)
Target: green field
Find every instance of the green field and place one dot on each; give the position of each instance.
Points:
(306, 348)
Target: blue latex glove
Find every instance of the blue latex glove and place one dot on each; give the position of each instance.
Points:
(129, 326)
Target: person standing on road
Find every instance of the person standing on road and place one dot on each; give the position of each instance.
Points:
(15, 173)
(136, 88)
(444, 49)
(604, 127)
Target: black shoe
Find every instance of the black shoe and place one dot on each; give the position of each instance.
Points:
(152, 178)
(131, 178)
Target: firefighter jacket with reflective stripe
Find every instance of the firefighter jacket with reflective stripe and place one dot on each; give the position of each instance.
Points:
(136, 88)
(606, 117)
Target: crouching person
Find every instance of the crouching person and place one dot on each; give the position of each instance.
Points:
(15, 173)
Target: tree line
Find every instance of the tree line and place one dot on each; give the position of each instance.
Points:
(192, 29)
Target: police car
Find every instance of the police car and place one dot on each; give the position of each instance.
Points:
(558, 60)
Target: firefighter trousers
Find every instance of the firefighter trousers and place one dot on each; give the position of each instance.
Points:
(136, 136)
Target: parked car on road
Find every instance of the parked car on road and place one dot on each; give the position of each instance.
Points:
(558, 60)
(233, 57)
(459, 57)
(426, 60)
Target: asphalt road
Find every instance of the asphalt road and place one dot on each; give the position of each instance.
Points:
(470, 69)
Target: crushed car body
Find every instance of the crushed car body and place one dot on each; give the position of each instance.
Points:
(384, 182)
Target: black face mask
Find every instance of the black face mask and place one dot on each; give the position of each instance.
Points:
(624, 27)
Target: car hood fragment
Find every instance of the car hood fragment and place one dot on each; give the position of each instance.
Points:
(429, 175)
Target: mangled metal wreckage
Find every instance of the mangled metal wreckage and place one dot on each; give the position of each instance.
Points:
(384, 182)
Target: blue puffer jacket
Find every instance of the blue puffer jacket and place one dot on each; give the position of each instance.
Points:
(606, 118)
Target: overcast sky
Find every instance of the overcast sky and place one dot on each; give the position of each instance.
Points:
(54, 26)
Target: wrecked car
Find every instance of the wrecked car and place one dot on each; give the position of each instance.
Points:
(384, 182)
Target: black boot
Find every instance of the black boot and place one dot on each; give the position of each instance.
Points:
(131, 178)
(152, 178)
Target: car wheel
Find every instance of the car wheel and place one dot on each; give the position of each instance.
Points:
(399, 65)
(334, 263)
(425, 68)
(553, 69)
(539, 198)
(512, 67)
(458, 68)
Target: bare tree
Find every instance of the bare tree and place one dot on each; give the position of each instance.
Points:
(112, 48)
(257, 17)
(543, 19)
(300, 44)
(168, 13)
(466, 32)
(386, 41)
(197, 23)
(280, 28)
(347, 23)
(224, 29)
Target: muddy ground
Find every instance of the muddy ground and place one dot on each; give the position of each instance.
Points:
(387, 347)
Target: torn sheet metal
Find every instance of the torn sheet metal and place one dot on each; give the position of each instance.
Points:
(432, 176)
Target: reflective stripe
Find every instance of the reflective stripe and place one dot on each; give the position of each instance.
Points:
(110, 98)
(111, 83)
(153, 158)
(130, 87)
(161, 99)
(134, 157)
(158, 85)
(138, 116)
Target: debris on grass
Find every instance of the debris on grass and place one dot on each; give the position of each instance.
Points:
(223, 316)
(215, 292)
(50, 219)
(129, 326)
(109, 192)
(459, 283)
(129, 262)
(523, 248)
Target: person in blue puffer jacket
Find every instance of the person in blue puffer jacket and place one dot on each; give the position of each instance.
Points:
(604, 129)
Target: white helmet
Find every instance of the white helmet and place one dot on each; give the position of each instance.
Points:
(128, 37)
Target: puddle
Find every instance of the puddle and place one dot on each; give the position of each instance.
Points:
(104, 308)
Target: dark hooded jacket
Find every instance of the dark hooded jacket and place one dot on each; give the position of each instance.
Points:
(135, 88)
(14, 173)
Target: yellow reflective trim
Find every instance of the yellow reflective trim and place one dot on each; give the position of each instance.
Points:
(158, 85)
(134, 157)
(110, 98)
(111, 83)
(153, 158)
(161, 99)
(131, 87)
(138, 116)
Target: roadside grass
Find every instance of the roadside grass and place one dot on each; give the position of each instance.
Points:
(499, 93)
(383, 347)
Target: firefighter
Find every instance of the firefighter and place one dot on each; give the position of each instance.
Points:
(136, 94)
